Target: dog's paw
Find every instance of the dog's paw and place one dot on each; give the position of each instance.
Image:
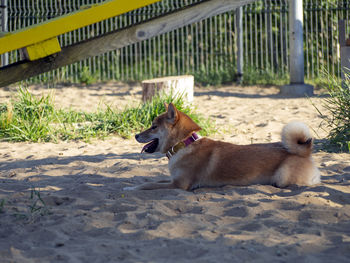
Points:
(130, 188)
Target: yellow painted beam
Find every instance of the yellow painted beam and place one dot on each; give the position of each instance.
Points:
(42, 49)
(63, 24)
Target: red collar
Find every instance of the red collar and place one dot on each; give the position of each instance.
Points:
(194, 137)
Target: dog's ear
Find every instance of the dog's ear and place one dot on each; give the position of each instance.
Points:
(172, 114)
(166, 105)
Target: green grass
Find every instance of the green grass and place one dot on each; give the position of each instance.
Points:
(251, 76)
(35, 119)
(37, 205)
(27, 119)
(255, 76)
(32, 209)
(86, 77)
(338, 117)
(215, 77)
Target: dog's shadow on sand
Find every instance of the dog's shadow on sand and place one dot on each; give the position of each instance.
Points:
(27, 163)
(104, 170)
(60, 170)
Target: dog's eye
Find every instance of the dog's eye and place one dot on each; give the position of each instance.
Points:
(154, 127)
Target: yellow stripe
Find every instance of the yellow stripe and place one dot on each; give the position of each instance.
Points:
(43, 49)
(63, 24)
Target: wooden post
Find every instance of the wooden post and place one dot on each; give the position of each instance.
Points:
(176, 85)
(297, 87)
(239, 34)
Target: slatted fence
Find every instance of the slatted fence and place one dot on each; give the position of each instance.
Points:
(206, 47)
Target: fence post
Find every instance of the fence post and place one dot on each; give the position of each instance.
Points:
(344, 52)
(4, 59)
(297, 87)
(239, 34)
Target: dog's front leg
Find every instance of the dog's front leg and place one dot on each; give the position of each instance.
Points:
(164, 181)
(183, 182)
(180, 183)
(152, 186)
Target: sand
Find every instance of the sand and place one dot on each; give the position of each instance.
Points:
(64, 202)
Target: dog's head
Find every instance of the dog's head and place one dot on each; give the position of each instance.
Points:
(166, 130)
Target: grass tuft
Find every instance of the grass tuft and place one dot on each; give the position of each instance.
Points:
(338, 106)
(255, 76)
(221, 75)
(251, 76)
(37, 206)
(27, 119)
(35, 119)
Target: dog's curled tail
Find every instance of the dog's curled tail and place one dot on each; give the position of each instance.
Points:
(297, 139)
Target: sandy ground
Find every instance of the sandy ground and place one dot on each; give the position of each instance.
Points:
(87, 217)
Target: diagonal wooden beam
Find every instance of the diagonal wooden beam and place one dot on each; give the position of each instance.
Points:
(117, 39)
(57, 26)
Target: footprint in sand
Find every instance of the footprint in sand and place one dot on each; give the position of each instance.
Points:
(239, 211)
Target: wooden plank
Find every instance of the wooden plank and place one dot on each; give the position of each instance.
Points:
(117, 39)
(63, 24)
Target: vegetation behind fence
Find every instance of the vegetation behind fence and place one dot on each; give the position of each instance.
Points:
(205, 49)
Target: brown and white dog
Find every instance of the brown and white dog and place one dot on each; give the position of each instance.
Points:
(201, 162)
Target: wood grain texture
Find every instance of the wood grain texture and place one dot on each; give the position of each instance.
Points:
(117, 39)
(177, 86)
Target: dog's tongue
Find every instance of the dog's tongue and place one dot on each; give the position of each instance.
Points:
(144, 149)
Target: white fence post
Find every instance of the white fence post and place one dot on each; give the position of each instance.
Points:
(239, 34)
(297, 87)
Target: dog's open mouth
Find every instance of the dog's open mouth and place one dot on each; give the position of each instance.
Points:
(151, 146)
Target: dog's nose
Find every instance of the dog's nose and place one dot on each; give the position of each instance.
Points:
(136, 136)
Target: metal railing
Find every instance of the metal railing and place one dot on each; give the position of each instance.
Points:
(205, 47)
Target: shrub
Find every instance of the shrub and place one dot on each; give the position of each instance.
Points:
(338, 106)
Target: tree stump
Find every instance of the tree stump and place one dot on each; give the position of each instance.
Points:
(178, 86)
